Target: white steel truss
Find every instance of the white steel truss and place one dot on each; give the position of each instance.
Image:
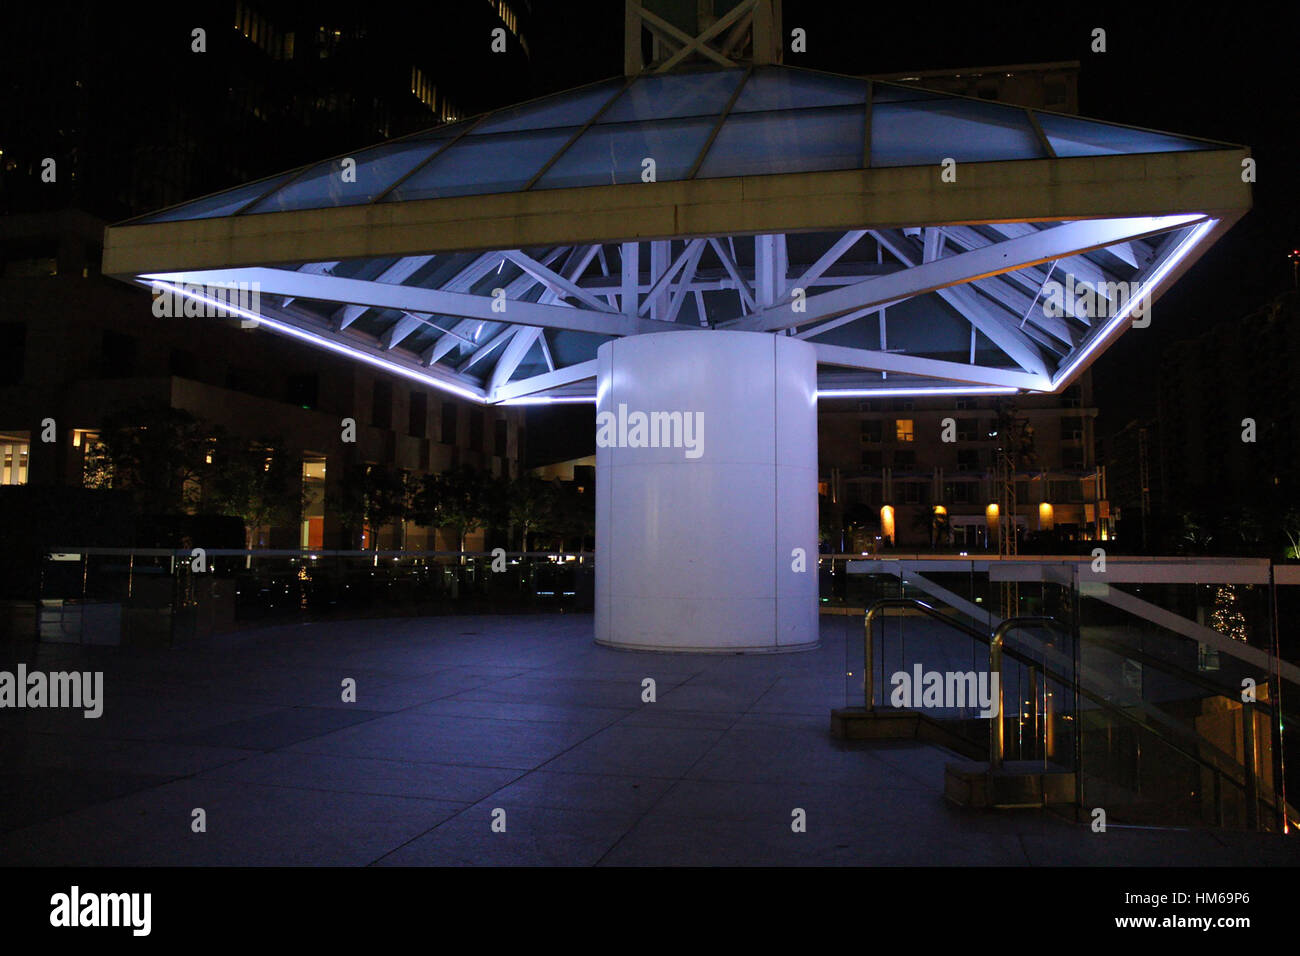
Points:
(964, 306)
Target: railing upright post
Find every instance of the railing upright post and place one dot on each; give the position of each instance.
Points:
(868, 664)
(996, 742)
(1250, 762)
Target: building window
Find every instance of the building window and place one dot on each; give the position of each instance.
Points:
(872, 432)
(312, 530)
(448, 424)
(117, 355)
(96, 471)
(912, 493)
(381, 408)
(904, 429)
(418, 419)
(14, 448)
(304, 390)
(476, 430)
(13, 340)
(968, 459)
(904, 460)
(872, 459)
(968, 429)
(962, 492)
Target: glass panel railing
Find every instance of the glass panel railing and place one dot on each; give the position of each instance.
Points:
(1203, 734)
(1162, 687)
(152, 596)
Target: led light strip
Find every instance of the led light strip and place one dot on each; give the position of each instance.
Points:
(321, 342)
(1189, 242)
(935, 390)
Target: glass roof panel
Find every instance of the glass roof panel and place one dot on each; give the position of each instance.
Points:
(1070, 136)
(782, 120)
(607, 155)
(324, 185)
(563, 109)
(668, 95)
(484, 164)
(777, 89)
(919, 133)
(753, 144)
(882, 92)
(220, 204)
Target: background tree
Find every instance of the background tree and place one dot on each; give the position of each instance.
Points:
(255, 481)
(373, 495)
(1194, 536)
(573, 516)
(156, 453)
(861, 520)
(531, 504)
(934, 523)
(458, 501)
(1291, 528)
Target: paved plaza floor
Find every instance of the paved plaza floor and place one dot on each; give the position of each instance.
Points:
(461, 722)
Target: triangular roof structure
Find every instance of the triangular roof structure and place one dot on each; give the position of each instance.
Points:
(912, 236)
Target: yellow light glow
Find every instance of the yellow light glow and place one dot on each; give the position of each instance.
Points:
(887, 522)
(991, 511)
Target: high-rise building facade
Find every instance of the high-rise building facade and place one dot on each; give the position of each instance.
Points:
(144, 112)
(923, 473)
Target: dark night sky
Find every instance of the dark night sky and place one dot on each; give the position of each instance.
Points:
(1226, 73)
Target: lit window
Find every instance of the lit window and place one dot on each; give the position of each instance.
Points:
(13, 458)
(903, 429)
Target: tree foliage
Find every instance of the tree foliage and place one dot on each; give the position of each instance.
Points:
(255, 481)
(459, 501)
(157, 454)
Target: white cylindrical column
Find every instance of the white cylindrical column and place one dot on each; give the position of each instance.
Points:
(706, 492)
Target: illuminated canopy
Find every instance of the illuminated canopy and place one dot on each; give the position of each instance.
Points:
(914, 238)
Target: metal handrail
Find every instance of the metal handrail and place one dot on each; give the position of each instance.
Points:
(879, 607)
(996, 724)
(1185, 675)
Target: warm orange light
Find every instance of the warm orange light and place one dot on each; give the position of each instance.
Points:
(1046, 516)
(887, 522)
(991, 512)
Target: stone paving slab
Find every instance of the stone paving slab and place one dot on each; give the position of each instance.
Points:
(457, 718)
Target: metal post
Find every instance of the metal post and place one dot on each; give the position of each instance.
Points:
(1275, 702)
(1218, 799)
(866, 657)
(1074, 681)
(1033, 717)
(995, 722)
(1250, 761)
